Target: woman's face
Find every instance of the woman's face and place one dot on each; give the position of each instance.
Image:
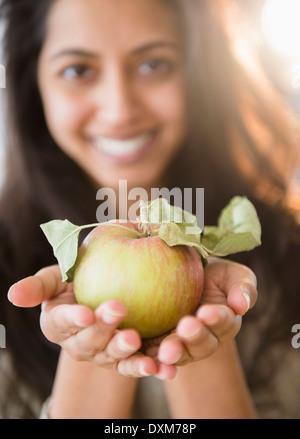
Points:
(111, 80)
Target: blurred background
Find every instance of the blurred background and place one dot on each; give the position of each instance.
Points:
(2, 104)
(276, 29)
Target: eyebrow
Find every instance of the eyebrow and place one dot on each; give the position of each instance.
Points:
(74, 52)
(92, 55)
(156, 44)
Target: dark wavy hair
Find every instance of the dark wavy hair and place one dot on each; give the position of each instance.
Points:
(241, 141)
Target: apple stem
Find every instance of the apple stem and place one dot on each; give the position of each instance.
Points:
(144, 218)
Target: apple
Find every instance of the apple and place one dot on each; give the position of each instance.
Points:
(158, 284)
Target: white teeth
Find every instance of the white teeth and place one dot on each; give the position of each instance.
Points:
(120, 148)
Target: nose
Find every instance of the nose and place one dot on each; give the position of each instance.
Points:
(118, 103)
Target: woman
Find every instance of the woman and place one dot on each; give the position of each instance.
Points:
(153, 107)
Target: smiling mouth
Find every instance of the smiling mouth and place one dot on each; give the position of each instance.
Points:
(125, 150)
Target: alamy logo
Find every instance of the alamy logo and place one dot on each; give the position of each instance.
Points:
(2, 76)
(296, 337)
(2, 337)
(181, 198)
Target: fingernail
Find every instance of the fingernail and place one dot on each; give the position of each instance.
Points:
(172, 361)
(126, 347)
(247, 297)
(81, 324)
(212, 322)
(143, 372)
(9, 295)
(177, 358)
(192, 333)
(175, 377)
(110, 316)
(215, 320)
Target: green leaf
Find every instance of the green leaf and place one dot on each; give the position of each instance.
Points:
(176, 234)
(176, 226)
(238, 229)
(63, 236)
(160, 211)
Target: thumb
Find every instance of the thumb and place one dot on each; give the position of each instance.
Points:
(33, 290)
(241, 297)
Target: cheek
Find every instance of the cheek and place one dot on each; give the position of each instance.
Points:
(64, 117)
(169, 104)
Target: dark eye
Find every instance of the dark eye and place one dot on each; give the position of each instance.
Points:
(155, 66)
(76, 72)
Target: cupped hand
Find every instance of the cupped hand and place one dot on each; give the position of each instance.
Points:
(230, 290)
(85, 334)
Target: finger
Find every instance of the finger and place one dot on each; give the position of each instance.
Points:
(221, 321)
(171, 350)
(193, 341)
(111, 312)
(33, 290)
(166, 372)
(137, 366)
(242, 297)
(222, 275)
(92, 340)
(123, 345)
(62, 321)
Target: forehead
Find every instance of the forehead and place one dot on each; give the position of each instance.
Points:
(103, 23)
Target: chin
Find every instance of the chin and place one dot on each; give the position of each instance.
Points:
(143, 175)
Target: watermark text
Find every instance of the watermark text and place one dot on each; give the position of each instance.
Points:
(296, 337)
(113, 202)
(2, 337)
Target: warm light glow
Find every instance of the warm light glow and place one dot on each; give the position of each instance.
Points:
(281, 25)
